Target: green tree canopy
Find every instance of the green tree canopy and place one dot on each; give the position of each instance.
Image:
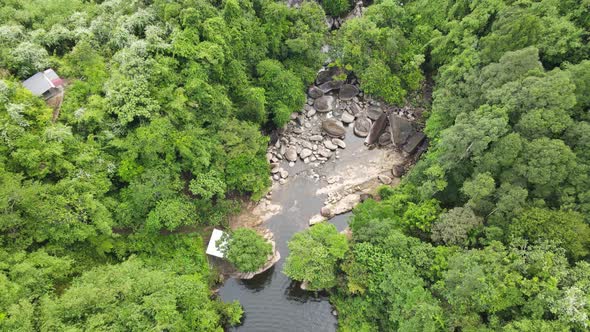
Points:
(314, 254)
(247, 250)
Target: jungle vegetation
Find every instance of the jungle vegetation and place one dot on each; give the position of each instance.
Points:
(163, 132)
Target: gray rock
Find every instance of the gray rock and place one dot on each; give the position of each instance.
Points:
(398, 171)
(284, 174)
(374, 112)
(325, 153)
(365, 196)
(325, 104)
(294, 115)
(385, 138)
(331, 85)
(413, 142)
(347, 117)
(306, 145)
(401, 129)
(298, 130)
(384, 179)
(339, 142)
(291, 154)
(315, 92)
(333, 128)
(282, 181)
(329, 145)
(275, 168)
(377, 129)
(348, 91)
(326, 212)
(316, 219)
(276, 177)
(311, 112)
(355, 109)
(305, 153)
(362, 126)
(327, 75)
(316, 138)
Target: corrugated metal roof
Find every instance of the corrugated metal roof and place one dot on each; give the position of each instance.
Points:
(50, 74)
(39, 83)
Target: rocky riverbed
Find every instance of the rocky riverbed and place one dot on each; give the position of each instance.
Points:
(333, 153)
(316, 137)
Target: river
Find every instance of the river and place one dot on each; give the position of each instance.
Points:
(272, 301)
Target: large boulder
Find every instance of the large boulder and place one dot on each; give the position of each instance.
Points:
(333, 128)
(331, 85)
(385, 138)
(325, 104)
(413, 142)
(348, 91)
(401, 129)
(377, 129)
(362, 126)
(327, 75)
(315, 92)
(374, 112)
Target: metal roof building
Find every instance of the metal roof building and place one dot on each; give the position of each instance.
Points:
(42, 83)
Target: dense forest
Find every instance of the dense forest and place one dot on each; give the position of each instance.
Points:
(163, 132)
(161, 128)
(490, 230)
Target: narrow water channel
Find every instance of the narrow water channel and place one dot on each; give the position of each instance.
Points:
(272, 301)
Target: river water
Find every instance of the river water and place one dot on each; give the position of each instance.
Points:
(272, 301)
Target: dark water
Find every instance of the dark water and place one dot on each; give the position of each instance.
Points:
(272, 301)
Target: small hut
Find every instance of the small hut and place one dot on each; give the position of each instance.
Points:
(46, 83)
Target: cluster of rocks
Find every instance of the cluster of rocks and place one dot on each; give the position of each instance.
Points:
(316, 133)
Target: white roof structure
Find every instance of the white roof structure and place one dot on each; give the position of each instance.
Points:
(41, 82)
(212, 248)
